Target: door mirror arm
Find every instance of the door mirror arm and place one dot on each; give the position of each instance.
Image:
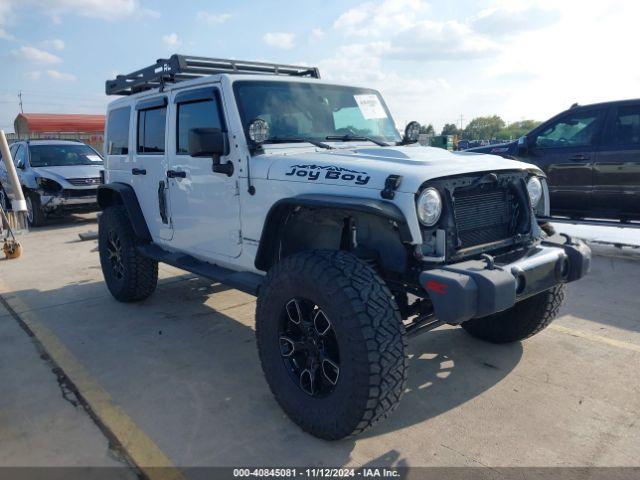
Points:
(219, 167)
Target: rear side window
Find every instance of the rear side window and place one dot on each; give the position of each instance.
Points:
(200, 114)
(118, 131)
(625, 129)
(151, 128)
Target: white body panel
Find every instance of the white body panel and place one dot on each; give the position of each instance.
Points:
(209, 219)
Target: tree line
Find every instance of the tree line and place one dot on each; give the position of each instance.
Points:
(485, 128)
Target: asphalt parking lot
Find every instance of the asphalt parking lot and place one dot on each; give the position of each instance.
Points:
(175, 380)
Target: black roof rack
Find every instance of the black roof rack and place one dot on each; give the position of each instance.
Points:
(178, 68)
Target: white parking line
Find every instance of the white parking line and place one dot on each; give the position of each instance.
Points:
(596, 338)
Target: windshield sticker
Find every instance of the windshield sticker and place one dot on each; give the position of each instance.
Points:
(94, 158)
(370, 106)
(329, 172)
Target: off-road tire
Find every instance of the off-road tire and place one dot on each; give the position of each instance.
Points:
(523, 320)
(139, 273)
(370, 335)
(36, 217)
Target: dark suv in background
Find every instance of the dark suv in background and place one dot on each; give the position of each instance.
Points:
(591, 155)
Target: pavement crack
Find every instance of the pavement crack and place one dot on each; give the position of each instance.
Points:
(475, 460)
(67, 391)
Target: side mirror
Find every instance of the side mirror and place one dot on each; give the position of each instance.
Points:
(208, 142)
(523, 144)
(211, 142)
(20, 165)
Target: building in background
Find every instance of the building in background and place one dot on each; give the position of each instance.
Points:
(86, 128)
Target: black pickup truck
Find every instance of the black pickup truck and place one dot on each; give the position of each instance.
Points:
(591, 155)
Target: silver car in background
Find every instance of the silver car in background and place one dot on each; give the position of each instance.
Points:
(57, 176)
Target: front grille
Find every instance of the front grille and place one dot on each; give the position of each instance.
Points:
(84, 182)
(89, 192)
(485, 214)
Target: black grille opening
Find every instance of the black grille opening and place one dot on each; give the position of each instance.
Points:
(485, 214)
(89, 192)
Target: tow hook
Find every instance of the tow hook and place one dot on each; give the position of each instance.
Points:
(491, 265)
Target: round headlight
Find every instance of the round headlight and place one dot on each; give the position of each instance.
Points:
(429, 207)
(258, 131)
(534, 187)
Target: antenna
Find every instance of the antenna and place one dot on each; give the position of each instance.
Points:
(20, 101)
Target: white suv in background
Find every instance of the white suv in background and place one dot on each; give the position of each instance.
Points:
(57, 176)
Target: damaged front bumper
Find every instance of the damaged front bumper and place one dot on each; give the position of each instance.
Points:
(78, 200)
(477, 288)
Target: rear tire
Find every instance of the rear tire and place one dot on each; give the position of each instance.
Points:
(366, 378)
(129, 275)
(523, 320)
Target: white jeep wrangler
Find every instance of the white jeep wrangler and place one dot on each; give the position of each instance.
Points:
(302, 192)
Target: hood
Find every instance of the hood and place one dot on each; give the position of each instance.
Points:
(368, 167)
(502, 149)
(74, 171)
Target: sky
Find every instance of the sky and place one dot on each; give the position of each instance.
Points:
(433, 61)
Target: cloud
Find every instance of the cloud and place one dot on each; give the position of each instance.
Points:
(512, 19)
(5, 15)
(54, 44)
(450, 40)
(56, 75)
(4, 35)
(171, 40)
(53, 74)
(35, 55)
(113, 9)
(213, 18)
(281, 40)
(352, 17)
(378, 19)
(317, 33)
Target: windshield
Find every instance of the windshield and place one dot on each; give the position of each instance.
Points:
(316, 111)
(63, 155)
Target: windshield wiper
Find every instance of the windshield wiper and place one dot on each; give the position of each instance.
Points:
(299, 140)
(351, 138)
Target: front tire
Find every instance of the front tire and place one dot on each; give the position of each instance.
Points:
(35, 213)
(523, 320)
(331, 343)
(129, 275)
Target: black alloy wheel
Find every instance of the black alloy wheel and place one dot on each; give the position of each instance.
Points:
(114, 252)
(309, 347)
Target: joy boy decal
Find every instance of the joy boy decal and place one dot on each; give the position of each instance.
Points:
(329, 172)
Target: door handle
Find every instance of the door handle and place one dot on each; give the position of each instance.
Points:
(176, 174)
(579, 158)
(138, 171)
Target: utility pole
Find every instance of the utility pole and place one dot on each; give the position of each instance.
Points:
(20, 98)
(461, 120)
